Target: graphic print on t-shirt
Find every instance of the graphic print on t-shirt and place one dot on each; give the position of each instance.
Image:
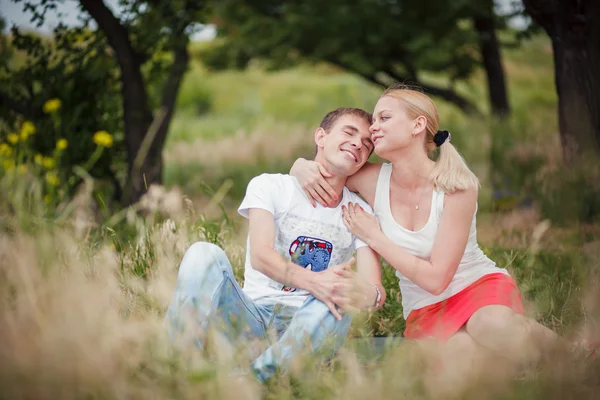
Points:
(310, 253)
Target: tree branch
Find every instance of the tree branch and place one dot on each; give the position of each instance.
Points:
(446, 94)
(116, 34)
(542, 12)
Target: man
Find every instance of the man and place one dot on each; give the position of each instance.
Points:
(298, 279)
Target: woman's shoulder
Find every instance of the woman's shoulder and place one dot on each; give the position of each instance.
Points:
(365, 181)
(461, 199)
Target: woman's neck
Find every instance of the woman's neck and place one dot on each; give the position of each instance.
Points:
(412, 169)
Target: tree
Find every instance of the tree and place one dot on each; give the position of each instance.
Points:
(148, 38)
(484, 21)
(574, 29)
(382, 41)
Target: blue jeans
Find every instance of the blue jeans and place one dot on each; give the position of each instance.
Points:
(207, 292)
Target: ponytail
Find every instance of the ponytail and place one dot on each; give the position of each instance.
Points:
(451, 172)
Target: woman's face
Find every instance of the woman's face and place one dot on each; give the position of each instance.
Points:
(392, 128)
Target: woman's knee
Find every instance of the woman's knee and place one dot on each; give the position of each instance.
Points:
(490, 320)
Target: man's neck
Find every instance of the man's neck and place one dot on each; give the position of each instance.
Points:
(337, 182)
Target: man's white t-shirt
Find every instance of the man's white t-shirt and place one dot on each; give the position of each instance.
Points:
(314, 238)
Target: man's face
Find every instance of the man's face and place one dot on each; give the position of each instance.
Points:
(347, 145)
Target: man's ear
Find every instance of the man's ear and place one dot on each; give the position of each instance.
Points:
(320, 137)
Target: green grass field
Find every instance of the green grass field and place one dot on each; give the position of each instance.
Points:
(82, 301)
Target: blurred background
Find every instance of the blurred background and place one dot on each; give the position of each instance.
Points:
(134, 126)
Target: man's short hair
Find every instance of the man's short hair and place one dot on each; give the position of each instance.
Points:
(331, 118)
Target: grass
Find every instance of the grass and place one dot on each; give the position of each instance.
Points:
(82, 299)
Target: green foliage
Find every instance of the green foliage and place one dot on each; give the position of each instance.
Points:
(78, 66)
(381, 41)
(368, 36)
(567, 194)
(75, 68)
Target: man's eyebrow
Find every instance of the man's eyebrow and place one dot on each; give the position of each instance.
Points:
(351, 127)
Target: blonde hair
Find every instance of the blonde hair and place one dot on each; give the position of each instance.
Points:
(451, 172)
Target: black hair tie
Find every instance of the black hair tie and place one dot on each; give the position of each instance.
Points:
(440, 137)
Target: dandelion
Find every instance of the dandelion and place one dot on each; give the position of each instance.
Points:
(5, 150)
(13, 138)
(103, 138)
(27, 129)
(52, 179)
(52, 105)
(62, 144)
(22, 169)
(8, 165)
(38, 158)
(48, 162)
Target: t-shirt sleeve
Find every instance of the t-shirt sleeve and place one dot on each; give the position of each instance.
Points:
(265, 192)
(357, 242)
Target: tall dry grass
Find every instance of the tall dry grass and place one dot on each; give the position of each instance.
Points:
(79, 320)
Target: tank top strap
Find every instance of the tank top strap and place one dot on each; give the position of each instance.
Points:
(382, 190)
(438, 202)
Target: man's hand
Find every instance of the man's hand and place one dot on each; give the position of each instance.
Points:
(353, 293)
(324, 283)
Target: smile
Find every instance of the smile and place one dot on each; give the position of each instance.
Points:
(352, 154)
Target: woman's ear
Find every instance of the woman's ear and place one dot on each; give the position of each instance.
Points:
(420, 124)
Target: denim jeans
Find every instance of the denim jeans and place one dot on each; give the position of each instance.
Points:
(208, 292)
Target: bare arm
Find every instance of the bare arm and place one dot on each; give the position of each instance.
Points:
(266, 260)
(311, 176)
(449, 246)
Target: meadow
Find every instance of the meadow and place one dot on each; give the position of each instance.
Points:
(82, 298)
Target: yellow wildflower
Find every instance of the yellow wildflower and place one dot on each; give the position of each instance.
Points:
(47, 199)
(103, 138)
(38, 159)
(48, 162)
(22, 168)
(62, 144)
(52, 179)
(8, 165)
(13, 138)
(5, 150)
(27, 129)
(52, 105)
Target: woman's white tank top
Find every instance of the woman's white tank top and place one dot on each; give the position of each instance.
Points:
(473, 265)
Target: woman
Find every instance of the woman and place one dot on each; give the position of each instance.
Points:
(451, 290)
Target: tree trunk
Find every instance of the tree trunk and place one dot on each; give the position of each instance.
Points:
(137, 115)
(146, 168)
(492, 60)
(574, 28)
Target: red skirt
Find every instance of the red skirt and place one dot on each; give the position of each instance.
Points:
(442, 320)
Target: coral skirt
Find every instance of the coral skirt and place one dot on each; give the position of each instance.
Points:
(442, 320)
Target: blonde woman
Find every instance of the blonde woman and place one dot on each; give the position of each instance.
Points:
(425, 227)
